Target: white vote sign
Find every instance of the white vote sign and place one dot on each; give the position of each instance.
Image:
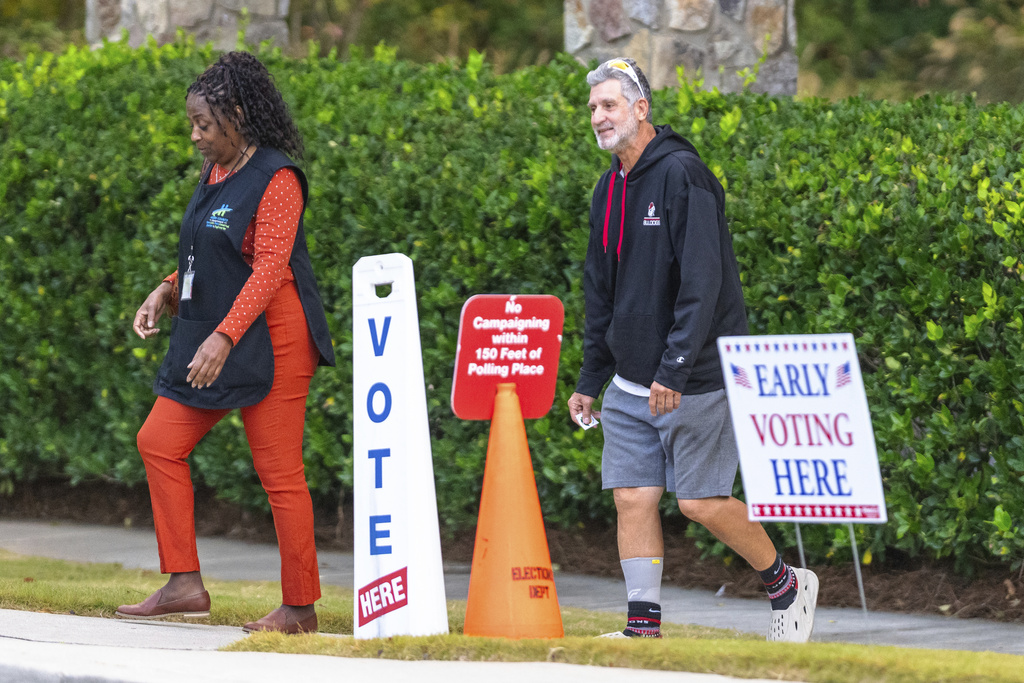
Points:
(399, 583)
(807, 449)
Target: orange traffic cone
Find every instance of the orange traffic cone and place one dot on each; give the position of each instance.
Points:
(511, 587)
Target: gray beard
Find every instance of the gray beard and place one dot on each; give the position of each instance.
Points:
(622, 140)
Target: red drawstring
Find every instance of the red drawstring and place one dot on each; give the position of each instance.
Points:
(608, 213)
(622, 216)
(608, 209)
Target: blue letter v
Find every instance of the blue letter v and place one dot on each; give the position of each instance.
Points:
(378, 344)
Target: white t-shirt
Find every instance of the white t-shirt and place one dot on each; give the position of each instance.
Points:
(631, 387)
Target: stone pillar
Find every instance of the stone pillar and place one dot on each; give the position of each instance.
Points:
(216, 21)
(716, 37)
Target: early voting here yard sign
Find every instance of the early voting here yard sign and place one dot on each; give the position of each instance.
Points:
(399, 583)
(807, 449)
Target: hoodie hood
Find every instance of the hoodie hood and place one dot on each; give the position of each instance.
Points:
(666, 141)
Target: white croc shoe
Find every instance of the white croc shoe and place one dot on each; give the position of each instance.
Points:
(795, 623)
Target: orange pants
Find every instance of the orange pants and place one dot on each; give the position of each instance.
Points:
(274, 428)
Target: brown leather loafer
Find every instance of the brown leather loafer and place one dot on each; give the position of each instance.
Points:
(196, 606)
(278, 621)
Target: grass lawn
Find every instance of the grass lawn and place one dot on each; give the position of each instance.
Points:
(32, 583)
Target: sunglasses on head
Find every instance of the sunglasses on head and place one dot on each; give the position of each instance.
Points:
(625, 68)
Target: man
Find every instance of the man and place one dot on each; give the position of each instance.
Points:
(661, 285)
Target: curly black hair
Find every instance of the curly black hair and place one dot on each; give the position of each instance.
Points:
(239, 79)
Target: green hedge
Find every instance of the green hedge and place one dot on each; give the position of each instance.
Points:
(900, 223)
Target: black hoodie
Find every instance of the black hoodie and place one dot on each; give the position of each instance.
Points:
(660, 280)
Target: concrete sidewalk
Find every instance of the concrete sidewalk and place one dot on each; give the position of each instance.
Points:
(47, 647)
(44, 662)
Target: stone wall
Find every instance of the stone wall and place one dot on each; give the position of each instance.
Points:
(216, 21)
(716, 37)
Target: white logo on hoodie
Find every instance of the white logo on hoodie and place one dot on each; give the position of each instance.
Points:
(651, 220)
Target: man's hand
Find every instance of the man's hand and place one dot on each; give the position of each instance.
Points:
(663, 400)
(151, 310)
(578, 403)
(209, 360)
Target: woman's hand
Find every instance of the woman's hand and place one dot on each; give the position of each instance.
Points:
(209, 360)
(150, 311)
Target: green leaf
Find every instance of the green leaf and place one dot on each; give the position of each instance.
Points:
(1001, 519)
(925, 462)
(474, 63)
(972, 324)
(989, 294)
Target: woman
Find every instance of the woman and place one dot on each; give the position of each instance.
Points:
(249, 332)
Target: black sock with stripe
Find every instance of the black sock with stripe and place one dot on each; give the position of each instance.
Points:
(780, 582)
(643, 620)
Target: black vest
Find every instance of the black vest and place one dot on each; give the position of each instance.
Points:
(217, 219)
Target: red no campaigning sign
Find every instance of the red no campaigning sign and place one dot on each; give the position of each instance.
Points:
(507, 338)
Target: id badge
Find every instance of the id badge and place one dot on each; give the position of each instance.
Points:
(186, 286)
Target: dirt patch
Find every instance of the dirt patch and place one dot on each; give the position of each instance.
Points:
(995, 593)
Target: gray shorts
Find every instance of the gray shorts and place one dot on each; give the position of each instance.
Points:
(691, 451)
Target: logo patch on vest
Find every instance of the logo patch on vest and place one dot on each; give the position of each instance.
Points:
(218, 219)
(650, 220)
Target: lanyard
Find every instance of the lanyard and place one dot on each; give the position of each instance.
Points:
(189, 275)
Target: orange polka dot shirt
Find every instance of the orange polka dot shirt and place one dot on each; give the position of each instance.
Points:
(267, 247)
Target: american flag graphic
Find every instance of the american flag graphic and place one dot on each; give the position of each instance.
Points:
(843, 375)
(739, 376)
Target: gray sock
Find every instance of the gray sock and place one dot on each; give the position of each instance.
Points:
(643, 578)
